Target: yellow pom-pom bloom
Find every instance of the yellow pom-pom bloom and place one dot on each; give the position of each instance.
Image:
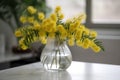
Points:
(72, 28)
(86, 43)
(93, 34)
(70, 36)
(96, 49)
(77, 23)
(36, 25)
(60, 28)
(86, 31)
(48, 20)
(18, 33)
(23, 19)
(54, 29)
(30, 19)
(53, 17)
(24, 47)
(21, 41)
(51, 27)
(82, 27)
(71, 42)
(61, 16)
(43, 40)
(46, 28)
(31, 10)
(63, 35)
(41, 16)
(57, 9)
(78, 34)
(42, 34)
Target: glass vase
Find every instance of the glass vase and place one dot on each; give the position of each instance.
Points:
(56, 55)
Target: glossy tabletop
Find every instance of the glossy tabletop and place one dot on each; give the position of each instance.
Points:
(77, 71)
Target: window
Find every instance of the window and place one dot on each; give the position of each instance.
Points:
(105, 11)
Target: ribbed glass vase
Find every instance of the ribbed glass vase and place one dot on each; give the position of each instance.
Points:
(56, 55)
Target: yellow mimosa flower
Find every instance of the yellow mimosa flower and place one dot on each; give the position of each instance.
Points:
(78, 34)
(63, 35)
(54, 29)
(45, 28)
(70, 36)
(61, 16)
(43, 40)
(85, 45)
(48, 20)
(24, 47)
(18, 33)
(96, 49)
(42, 34)
(21, 41)
(52, 23)
(53, 17)
(77, 23)
(77, 37)
(50, 27)
(72, 27)
(41, 15)
(82, 27)
(93, 44)
(87, 41)
(71, 42)
(23, 19)
(30, 19)
(31, 10)
(58, 9)
(44, 22)
(60, 28)
(86, 31)
(93, 33)
(36, 25)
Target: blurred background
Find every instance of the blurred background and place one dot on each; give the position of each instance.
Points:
(102, 16)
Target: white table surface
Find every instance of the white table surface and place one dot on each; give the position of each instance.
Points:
(77, 71)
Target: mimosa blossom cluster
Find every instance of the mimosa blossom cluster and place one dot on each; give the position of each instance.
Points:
(36, 27)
